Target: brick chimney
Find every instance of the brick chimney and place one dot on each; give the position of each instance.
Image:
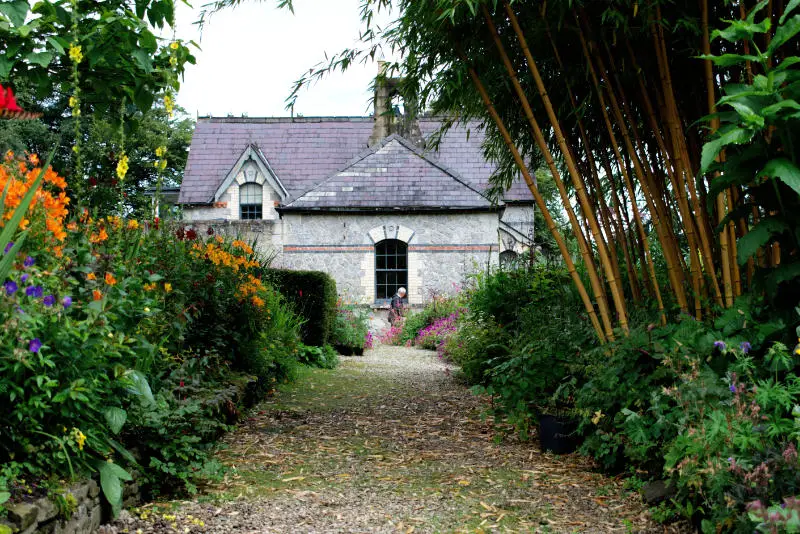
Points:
(389, 121)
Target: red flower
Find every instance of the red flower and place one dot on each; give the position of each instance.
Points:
(191, 235)
(180, 233)
(155, 222)
(301, 292)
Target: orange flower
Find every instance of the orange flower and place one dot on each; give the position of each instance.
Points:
(97, 294)
(133, 224)
(72, 227)
(110, 280)
(257, 301)
(91, 276)
(149, 287)
(98, 237)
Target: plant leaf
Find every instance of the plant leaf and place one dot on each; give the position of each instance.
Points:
(16, 11)
(712, 148)
(783, 34)
(785, 171)
(758, 236)
(40, 58)
(115, 417)
(791, 6)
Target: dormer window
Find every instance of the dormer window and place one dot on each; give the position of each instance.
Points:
(251, 201)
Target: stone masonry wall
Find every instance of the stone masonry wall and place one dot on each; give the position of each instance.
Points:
(443, 249)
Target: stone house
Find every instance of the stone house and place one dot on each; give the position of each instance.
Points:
(358, 197)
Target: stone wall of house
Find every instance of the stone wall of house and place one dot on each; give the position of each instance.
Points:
(443, 249)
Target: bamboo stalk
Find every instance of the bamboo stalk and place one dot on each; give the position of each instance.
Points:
(605, 213)
(675, 280)
(577, 180)
(549, 222)
(721, 204)
(594, 279)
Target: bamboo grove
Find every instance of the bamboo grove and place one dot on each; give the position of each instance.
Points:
(617, 99)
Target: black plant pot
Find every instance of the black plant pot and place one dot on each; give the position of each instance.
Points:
(558, 433)
(344, 350)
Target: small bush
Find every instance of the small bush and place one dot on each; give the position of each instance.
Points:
(322, 357)
(350, 328)
(313, 297)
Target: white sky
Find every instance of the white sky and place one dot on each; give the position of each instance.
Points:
(251, 55)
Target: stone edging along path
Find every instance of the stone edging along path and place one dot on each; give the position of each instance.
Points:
(390, 442)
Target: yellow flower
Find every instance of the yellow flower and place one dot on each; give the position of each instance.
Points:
(91, 276)
(597, 416)
(80, 438)
(160, 151)
(75, 53)
(73, 101)
(174, 45)
(150, 287)
(122, 167)
(173, 61)
(133, 224)
(162, 164)
(168, 287)
(146, 310)
(169, 104)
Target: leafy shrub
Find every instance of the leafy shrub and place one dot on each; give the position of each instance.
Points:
(124, 334)
(351, 328)
(439, 307)
(313, 297)
(322, 357)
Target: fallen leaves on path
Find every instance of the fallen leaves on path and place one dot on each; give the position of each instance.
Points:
(392, 443)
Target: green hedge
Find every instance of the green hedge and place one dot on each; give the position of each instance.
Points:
(313, 296)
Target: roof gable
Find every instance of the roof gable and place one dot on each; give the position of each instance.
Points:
(252, 153)
(392, 175)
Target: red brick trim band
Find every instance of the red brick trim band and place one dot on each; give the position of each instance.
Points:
(338, 249)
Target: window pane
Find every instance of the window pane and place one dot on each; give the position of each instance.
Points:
(250, 194)
(391, 267)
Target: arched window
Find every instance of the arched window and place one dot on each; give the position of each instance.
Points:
(391, 268)
(250, 201)
(507, 258)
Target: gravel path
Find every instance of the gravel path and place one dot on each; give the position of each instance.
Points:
(390, 442)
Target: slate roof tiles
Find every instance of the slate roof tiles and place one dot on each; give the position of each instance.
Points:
(305, 152)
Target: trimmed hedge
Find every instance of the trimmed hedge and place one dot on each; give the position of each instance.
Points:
(313, 296)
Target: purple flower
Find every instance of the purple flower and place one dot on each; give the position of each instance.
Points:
(29, 261)
(34, 291)
(35, 345)
(745, 346)
(733, 388)
(24, 278)
(67, 302)
(10, 287)
(720, 345)
(8, 247)
(49, 300)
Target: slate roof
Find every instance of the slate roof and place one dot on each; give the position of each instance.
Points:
(393, 174)
(305, 151)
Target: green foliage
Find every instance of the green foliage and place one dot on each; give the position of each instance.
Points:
(323, 357)
(439, 307)
(313, 297)
(124, 60)
(350, 328)
(759, 129)
(120, 334)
